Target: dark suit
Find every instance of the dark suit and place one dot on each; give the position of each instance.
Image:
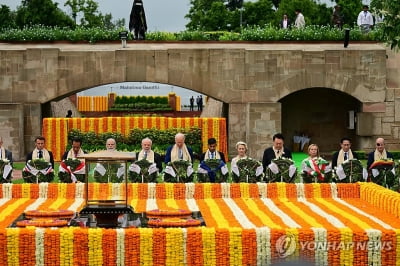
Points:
(269, 155)
(336, 155)
(29, 157)
(371, 158)
(8, 155)
(289, 24)
(157, 161)
(168, 154)
(221, 154)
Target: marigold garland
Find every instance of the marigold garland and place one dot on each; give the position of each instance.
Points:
(368, 210)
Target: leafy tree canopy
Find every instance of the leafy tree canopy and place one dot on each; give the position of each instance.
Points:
(7, 17)
(41, 12)
(350, 10)
(389, 11)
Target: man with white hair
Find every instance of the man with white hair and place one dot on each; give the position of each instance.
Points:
(4, 153)
(179, 151)
(111, 144)
(148, 154)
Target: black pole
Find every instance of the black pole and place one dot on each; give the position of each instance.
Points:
(346, 37)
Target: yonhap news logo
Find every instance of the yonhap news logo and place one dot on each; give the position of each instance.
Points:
(286, 245)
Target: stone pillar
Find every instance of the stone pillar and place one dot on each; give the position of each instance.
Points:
(111, 99)
(255, 124)
(12, 129)
(32, 125)
(172, 100)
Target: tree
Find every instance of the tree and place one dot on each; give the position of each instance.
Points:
(90, 15)
(350, 10)
(389, 11)
(41, 12)
(197, 12)
(226, 15)
(314, 14)
(258, 13)
(7, 17)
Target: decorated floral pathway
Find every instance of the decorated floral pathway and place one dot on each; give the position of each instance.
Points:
(246, 224)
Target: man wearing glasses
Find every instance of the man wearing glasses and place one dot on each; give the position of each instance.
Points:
(344, 154)
(380, 153)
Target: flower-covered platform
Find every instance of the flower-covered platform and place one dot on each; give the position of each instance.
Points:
(246, 224)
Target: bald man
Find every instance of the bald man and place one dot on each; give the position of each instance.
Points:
(179, 151)
(379, 153)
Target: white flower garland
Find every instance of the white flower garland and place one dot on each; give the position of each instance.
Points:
(151, 190)
(43, 190)
(226, 190)
(286, 219)
(300, 190)
(321, 246)
(334, 191)
(151, 204)
(79, 190)
(263, 235)
(193, 207)
(184, 232)
(116, 191)
(239, 214)
(7, 190)
(39, 246)
(120, 247)
(76, 205)
(36, 204)
(189, 190)
(360, 212)
(330, 218)
(374, 246)
(262, 189)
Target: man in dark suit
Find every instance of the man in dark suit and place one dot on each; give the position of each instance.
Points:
(285, 22)
(276, 151)
(4, 153)
(344, 154)
(148, 154)
(179, 151)
(212, 152)
(380, 153)
(40, 152)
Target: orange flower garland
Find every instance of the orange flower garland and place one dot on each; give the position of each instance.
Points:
(367, 211)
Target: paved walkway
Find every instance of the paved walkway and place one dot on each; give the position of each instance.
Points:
(17, 174)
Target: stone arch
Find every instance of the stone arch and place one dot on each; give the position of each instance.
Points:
(320, 113)
(250, 77)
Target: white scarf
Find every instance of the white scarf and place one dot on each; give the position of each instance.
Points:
(208, 155)
(237, 158)
(3, 153)
(150, 156)
(185, 153)
(278, 153)
(380, 156)
(71, 154)
(45, 153)
(340, 158)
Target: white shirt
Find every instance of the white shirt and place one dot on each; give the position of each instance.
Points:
(365, 18)
(300, 22)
